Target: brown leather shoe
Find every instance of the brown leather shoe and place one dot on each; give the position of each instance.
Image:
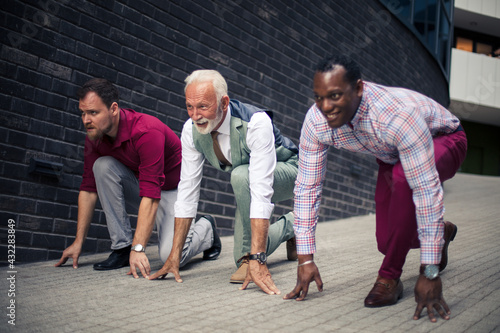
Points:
(450, 231)
(291, 249)
(384, 292)
(241, 273)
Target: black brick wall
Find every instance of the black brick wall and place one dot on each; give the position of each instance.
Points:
(266, 50)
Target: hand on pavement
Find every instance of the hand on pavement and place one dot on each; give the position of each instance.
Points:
(429, 295)
(73, 251)
(170, 266)
(305, 275)
(261, 276)
(139, 260)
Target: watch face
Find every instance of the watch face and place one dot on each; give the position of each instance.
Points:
(262, 257)
(431, 271)
(138, 248)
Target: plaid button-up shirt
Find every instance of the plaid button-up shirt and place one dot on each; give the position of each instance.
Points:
(392, 124)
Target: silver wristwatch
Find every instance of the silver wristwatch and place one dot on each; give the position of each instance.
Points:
(431, 271)
(138, 248)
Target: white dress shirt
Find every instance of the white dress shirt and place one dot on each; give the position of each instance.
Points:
(260, 141)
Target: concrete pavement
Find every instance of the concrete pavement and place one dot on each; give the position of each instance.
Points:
(50, 299)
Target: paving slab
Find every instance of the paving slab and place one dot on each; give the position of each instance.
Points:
(62, 299)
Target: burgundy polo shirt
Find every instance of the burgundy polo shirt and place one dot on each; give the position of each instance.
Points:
(146, 146)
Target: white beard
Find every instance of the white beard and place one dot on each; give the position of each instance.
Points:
(212, 123)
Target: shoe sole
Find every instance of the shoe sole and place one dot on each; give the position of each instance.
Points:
(211, 258)
(109, 269)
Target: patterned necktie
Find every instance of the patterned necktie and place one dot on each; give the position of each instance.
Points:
(218, 152)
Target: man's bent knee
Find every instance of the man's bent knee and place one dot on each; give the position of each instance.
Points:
(102, 165)
(239, 176)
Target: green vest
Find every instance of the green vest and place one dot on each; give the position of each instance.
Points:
(240, 153)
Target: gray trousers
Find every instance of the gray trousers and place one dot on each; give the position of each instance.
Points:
(281, 230)
(118, 191)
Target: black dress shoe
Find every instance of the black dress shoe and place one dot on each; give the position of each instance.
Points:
(117, 259)
(213, 252)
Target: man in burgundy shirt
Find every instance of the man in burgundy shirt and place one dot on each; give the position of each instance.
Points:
(132, 160)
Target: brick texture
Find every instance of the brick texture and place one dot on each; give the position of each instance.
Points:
(266, 50)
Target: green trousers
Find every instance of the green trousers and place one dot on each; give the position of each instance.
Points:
(281, 230)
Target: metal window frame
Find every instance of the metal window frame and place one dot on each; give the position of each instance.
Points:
(432, 49)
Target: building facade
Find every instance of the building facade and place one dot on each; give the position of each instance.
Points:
(475, 82)
(267, 51)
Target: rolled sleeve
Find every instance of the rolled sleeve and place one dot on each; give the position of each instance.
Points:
(188, 193)
(260, 141)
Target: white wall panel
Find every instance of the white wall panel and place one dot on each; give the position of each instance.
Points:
(475, 78)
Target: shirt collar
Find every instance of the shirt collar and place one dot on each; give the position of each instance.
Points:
(123, 130)
(225, 127)
(362, 109)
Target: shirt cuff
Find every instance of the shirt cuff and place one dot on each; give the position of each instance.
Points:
(150, 186)
(185, 209)
(261, 210)
(305, 244)
(430, 253)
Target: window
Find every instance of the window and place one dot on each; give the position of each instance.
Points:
(484, 48)
(443, 48)
(464, 44)
(448, 6)
(476, 42)
(405, 9)
(430, 21)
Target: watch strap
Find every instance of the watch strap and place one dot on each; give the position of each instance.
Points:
(260, 257)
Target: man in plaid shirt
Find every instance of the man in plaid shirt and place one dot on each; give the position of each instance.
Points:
(418, 145)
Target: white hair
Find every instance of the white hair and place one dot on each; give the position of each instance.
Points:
(209, 75)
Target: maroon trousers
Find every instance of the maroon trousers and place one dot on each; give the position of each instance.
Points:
(396, 222)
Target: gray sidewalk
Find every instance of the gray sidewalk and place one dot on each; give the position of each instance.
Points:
(50, 299)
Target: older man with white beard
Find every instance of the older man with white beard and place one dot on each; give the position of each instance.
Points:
(241, 139)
